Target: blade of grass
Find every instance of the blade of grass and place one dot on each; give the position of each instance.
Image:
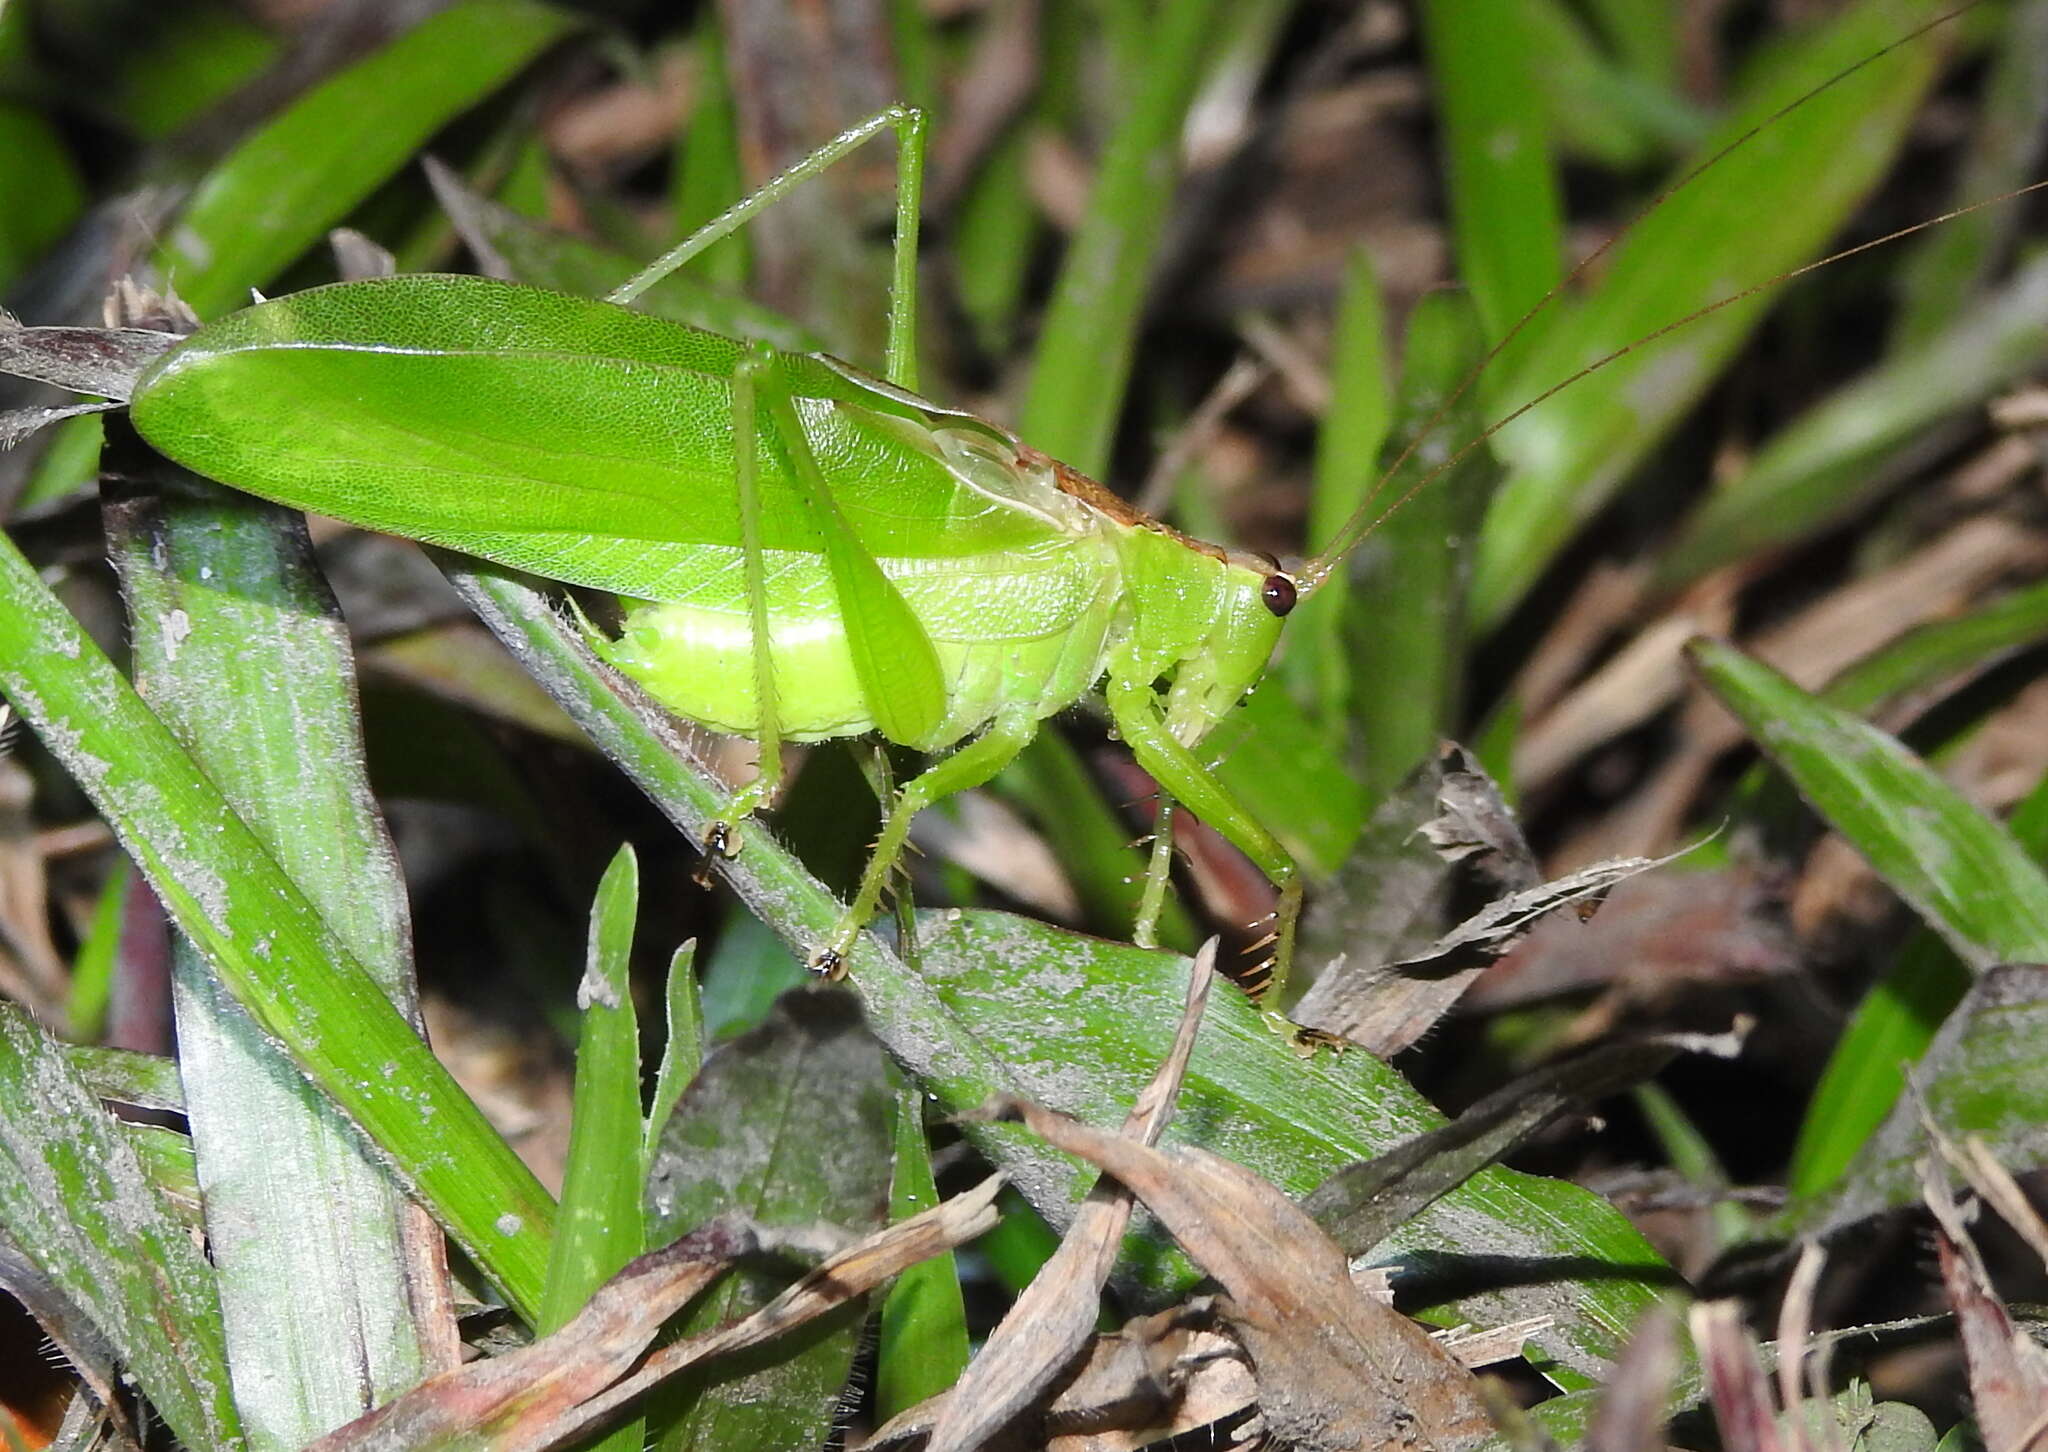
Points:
(1891, 1028)
(280, 190)
(1348, 446)
(44, 191)
(1083, 363)
(708, 160)
(77, 1203)
(598, 1228)
(1407, 610)
(1981, 1076)
(1506, 214)
(1833, 460)
(922, 1345)
(1954, 261)
(601, 1225)
(1960, 870)
(243, 656)
(92, 969)
(264, 940)
(1765, 207)
(683, 1054)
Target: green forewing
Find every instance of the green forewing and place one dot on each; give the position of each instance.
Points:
(571, 438)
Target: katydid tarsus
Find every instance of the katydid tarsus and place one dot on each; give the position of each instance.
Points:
(804, 551)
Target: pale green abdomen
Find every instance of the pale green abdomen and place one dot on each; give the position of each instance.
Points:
(1018, 630)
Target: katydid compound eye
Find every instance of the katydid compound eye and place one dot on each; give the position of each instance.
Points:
(1278, 594)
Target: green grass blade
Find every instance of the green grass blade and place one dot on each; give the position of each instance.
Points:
(1960, 870)
(198, 55)
(1832, 461)
(683, 1053)
(280, 190)
(1619, 111)
(1506, 213)
(1954, 261)
(1764, 208)
(125, 1076)
(1981, 1076)
(922, 1347)
(599, 1225)
(92, 970)
(1080, 1023)
(792, 1125)
(1942, 649)
(44, 191)
(264, 940)
(1891, 1028)
(246, 661)
(1083, 363)
(1348, 446)
(1407, 611)
(707, 160)
(76, 1202)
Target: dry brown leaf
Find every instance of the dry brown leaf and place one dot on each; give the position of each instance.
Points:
(1158, 1377)
(1335, 1369)
(1052, 1320)
(516, 1400)
(1737, 1387)
(563, 1385)
(1999, 1190)
(2008, 1370)
(1631, 1412)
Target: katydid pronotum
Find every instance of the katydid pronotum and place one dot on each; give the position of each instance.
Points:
(805, 551)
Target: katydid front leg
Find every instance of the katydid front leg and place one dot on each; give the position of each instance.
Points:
(1182, 775)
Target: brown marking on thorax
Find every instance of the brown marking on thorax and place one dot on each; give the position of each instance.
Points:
(1076, 485)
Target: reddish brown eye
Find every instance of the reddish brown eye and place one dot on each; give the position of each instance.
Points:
(1278, 594)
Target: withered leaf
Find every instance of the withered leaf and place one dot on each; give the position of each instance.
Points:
(106, 361)
(1335, 1368)
(2008, 1370)
(1362, 1203)
(565, 1384)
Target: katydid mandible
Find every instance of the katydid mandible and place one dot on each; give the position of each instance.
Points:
(803, 551)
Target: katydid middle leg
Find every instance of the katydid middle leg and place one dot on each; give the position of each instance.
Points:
(968, 767)
(1180, 773)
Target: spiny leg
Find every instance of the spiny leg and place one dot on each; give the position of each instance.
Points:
(1158, 877)
(1181, 773)
(909, 125)
(881, 776)
(961, 771)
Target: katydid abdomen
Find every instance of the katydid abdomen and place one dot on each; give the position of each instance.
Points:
(1022, 629)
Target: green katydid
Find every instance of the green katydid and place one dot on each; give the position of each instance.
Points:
(805, 551)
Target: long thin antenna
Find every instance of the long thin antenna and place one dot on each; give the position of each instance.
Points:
(1671, 327)
(1363, 522)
